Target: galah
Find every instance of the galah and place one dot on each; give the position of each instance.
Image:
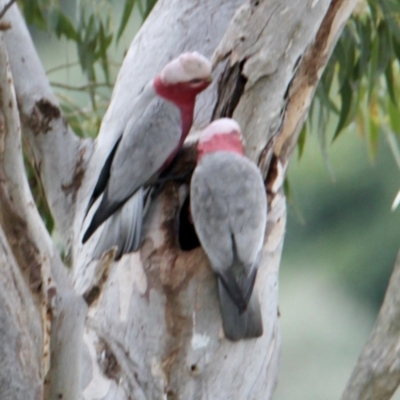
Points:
(156, 130)
(229, 211)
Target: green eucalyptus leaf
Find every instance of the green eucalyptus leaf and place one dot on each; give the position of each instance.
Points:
(390, 82)
(365, 31)
(384, 49)
(346, 95)
(394, 117)
(104, 43)
(34, 13)
(302, 140)
(373, 66)
(126, 13)
(65, 27)
(373, 125)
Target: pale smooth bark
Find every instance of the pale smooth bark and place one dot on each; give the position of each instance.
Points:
(57, 155)
(20, 333)
(56, 322)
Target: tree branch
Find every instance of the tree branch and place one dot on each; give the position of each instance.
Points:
(21, 333)
(6, 7)
(56, 153)
(62, 312)
(377, 373)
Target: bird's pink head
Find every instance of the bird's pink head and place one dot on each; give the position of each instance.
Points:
(182, 79)
(221, 135)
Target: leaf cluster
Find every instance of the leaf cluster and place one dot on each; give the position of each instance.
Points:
(89, 25)
(360, 85)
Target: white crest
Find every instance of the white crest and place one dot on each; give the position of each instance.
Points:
(186, 67)
(220, 126)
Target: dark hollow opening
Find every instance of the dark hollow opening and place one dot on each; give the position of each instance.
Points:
(188, 239)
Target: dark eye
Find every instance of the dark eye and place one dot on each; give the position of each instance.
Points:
(195, 80)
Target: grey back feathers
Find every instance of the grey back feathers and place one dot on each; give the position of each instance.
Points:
(151, 136)
(145, 146)
(229, 210)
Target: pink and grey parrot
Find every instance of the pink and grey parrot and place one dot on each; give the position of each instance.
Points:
(229, 211)
(156, 130)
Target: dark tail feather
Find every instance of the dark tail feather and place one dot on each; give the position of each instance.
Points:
(89, 231)
(239, 287)
(240, 325)
(103, 178)
(89, 206)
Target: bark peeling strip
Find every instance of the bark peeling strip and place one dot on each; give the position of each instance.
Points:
(304, 83)
(108, 361)
(231, 86)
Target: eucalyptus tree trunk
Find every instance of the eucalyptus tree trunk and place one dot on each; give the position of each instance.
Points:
(148, 326)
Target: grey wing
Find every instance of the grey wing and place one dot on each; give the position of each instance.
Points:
(145, 146)
(228, 198)
(211, 220)
(248, 210)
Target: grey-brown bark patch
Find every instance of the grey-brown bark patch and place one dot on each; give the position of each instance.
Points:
(108, 361)
(42, 115)
(51, 294)
(103, 269)
(92, 295)
(5, 25)
(77, 177)
(15, 228)
(169, 271)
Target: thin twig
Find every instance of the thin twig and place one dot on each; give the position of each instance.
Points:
(63, 66)
(76, 64)
(6, 7)
(81, 88)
